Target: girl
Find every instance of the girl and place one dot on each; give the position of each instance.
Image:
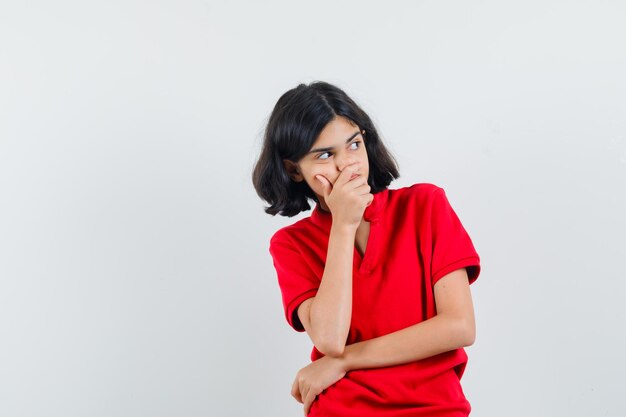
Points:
(377, 277)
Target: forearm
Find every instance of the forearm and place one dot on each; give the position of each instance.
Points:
(331, 310)
(422, 340)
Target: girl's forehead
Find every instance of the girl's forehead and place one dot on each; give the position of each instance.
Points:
(336, 130)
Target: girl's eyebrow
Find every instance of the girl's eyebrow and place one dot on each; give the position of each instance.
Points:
(331, 147)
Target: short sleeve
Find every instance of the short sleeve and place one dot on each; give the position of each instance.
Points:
(452, 247)
(296, 279)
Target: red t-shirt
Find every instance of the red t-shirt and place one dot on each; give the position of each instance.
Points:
(415, 239)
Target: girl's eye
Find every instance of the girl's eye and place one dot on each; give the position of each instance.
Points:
(357, 142)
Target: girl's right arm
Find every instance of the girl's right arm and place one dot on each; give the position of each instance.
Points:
(327, 316)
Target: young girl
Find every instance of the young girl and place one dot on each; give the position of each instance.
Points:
(377, 277)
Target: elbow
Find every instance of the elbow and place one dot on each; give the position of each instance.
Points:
(334, 350)
(462, 332)
(328, 342)
(470, 338)
(468, 332)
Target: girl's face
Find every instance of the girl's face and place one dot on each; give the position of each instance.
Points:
(341, 143)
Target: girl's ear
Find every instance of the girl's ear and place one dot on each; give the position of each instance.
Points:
(293, 170)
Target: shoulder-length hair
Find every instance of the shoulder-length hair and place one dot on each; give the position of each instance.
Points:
(298, 118)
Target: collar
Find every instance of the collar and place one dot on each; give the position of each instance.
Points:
(372, 213)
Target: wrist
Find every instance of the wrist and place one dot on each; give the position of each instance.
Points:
(346, 358)
(344, 229)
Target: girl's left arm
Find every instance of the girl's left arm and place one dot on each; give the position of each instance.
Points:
(453, 327)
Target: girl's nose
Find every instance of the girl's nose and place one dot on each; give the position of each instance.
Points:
(341, 165)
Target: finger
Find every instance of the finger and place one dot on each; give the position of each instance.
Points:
(357, 181)
(345, 182)
(326, 185)
(363, 187)
(309, 401)
(359, 186)
(295, 391)
(346, 173)
(303, 393)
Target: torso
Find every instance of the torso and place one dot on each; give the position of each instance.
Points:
(416, 235)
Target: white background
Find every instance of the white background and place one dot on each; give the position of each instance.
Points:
(135, 277)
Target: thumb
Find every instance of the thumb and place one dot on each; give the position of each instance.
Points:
(325, 184)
